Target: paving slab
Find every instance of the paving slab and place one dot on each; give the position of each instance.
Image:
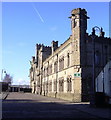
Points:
(28, 105)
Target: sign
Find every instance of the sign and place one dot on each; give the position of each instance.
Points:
(77, 74)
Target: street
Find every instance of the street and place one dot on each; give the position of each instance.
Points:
(32, 106)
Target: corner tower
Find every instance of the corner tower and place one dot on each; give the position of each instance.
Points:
(78, 44)
(78, 27)
(78, 22)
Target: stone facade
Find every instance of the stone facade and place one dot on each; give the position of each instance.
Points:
(65, 71)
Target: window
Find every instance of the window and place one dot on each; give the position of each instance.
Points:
(47, 71)
(55, 66)
(50, 86)
(68, 60)
(50, 69)
(55, 86)
(69, 85)
(74, 23)
(61, 63)
(97, 57)
(44, 72)
(43, 87)
(47, 87)
(106, 54)
(61, 85)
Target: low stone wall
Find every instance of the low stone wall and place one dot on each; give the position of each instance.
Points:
(66, 96)
(51, 95)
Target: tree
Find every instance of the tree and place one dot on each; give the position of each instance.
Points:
(8, 79)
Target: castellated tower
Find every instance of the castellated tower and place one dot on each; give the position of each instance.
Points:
(42, 52)
(79, 47)
(78, 27)
(54, 45)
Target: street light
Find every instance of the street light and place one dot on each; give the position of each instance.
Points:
(3, 71)
(92, 97)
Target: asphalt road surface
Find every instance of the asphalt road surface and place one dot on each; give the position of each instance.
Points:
(31, 106)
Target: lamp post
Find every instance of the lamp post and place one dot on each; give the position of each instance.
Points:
(3, 71)
(93, 88)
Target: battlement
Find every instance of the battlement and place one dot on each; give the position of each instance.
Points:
(33, 58)
(54, 45)
(38, 46)
(78, 11)
(42, 46)
(47, 48)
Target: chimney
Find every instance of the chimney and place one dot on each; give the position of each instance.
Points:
(54, 45)
(33, 59)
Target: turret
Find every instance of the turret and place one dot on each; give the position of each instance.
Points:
(78, 22)
(54, 45)
(78, 27)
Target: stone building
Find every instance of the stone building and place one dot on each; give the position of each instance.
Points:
(65, 71)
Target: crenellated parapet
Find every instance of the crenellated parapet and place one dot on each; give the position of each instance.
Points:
(78, 11)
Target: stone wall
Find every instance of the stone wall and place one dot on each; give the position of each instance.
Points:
(74, 61)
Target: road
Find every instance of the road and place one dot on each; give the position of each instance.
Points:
(31, 106)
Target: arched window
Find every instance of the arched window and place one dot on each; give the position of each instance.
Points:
(50, 69)
(47, 87)
(69, 84)
(61, 85)
(73, 23)
(68, 60)
(61, 63)
(55, 85)
(97, 58)
(50, 86)
(56, 66)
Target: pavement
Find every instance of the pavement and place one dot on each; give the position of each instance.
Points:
(28, 106)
